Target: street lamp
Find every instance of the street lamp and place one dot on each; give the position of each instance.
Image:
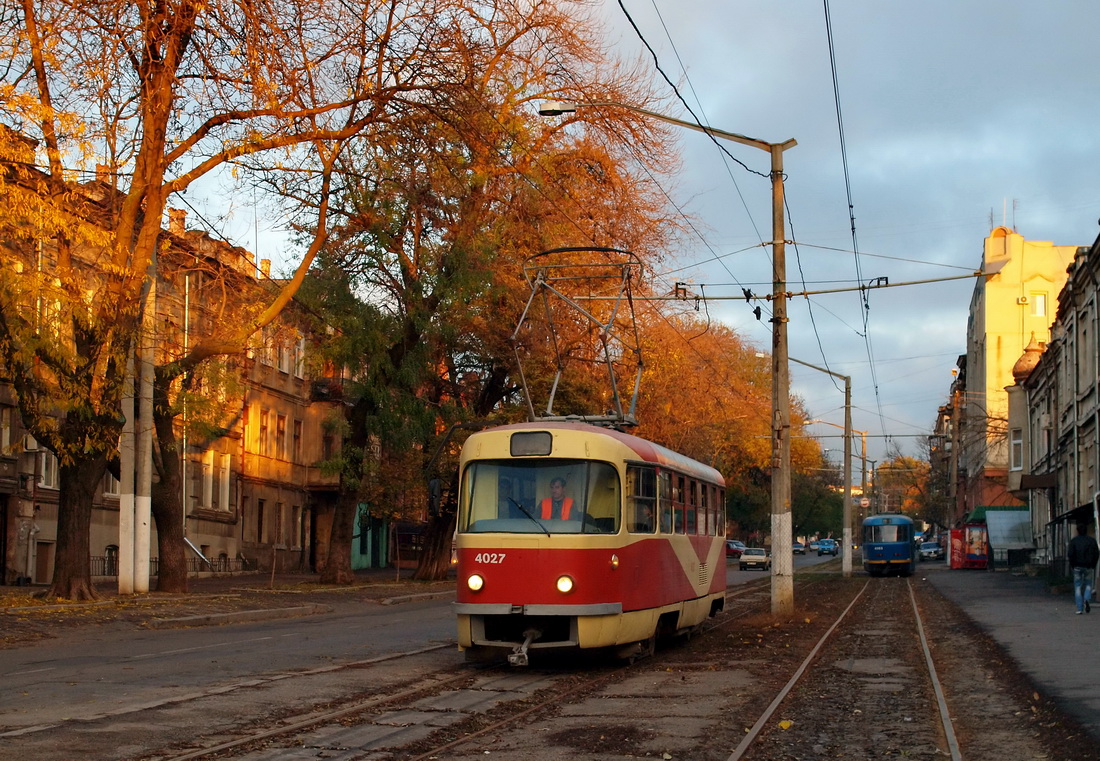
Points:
(781, 525)
(846, 549)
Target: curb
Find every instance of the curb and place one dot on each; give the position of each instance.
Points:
(413, 598)
(241, 616)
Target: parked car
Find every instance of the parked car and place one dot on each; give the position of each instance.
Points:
(814, 545)
(799, 548)
(734, 548)
(828, 547)
(755, 557)
(931, 551)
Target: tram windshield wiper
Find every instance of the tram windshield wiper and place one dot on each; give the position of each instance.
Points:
(533, 518)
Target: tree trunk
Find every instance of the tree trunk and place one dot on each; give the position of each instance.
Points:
(72, 574)
(167, 505)
(435, 558)
(337, 566)
(168, 514)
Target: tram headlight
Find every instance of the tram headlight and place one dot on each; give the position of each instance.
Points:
(565, 584)
(475, 582)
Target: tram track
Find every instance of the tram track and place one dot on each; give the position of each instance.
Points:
(853, 674)
(895, 686)
(533, 692)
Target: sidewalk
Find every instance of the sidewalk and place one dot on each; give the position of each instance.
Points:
(209, 601)
(1055, 647)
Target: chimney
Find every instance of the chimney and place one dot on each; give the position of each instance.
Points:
(265, 267)
(177, 220)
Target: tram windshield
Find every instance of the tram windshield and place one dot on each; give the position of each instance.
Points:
(544, 496)
(886, 532)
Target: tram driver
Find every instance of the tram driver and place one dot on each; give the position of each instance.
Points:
(557, 505)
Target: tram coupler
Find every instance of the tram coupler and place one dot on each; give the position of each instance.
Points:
(518, 656)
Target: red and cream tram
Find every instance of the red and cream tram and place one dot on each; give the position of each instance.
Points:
(573, 536)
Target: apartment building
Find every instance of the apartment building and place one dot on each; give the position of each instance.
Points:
(1054, 404)
(253, 492)
(1011, 305)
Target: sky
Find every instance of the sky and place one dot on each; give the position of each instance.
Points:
(957, 117)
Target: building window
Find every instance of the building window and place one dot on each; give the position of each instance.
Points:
(262, 448)
(111, 486)
(280, 437)
(284, 358)
(297, 443)
(5, 429)
(49, 477)
(267, 349)
(1016, 449)
(208, 478)
(223, 481)
(300, 358)
(295, 527)
(1038, 303)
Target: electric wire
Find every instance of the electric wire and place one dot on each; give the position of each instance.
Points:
(865, 301)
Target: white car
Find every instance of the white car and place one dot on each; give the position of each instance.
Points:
(754, 557)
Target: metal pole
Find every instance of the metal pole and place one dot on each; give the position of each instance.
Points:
(846, 550)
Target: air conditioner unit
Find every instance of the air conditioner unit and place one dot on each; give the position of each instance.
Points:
(30, 443)
(1021, 300)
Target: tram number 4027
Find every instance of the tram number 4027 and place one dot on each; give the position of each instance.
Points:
(489, 557)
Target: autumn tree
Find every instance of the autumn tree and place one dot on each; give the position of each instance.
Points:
(437, 218)
(163, 95)
(899, 484)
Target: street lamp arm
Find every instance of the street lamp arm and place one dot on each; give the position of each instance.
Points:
(782, 529)
(558, 108)
(834, 425)
(821, 369)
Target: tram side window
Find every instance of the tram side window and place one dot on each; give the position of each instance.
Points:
(706, 514)
(691, 515)
(603, 500)
(679, 497)
(664, 499)
(642, 504)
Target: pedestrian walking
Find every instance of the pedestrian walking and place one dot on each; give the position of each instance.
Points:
(1083, 554)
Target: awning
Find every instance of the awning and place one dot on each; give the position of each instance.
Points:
(1009, 529)
(1038, 480)
(977, 515)
(1081, 513)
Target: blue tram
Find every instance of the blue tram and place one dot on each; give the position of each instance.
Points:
(889, 545)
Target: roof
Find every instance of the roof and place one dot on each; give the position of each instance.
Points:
(977, 515)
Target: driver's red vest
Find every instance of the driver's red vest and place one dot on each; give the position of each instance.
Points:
(548, 506)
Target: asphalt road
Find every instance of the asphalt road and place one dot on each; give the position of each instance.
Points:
(85, 672)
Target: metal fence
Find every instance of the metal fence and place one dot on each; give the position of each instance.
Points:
(107, 565)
